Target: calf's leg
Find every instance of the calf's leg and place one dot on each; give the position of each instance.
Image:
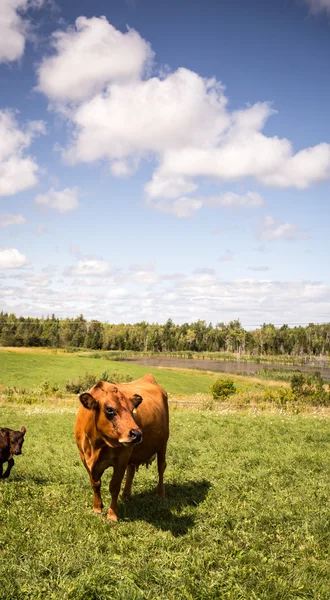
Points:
(10, 465)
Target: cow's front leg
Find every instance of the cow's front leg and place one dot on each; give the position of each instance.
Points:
(1, 470)
(97, 503)
(95, 479)
(115, 483)
(10, 465)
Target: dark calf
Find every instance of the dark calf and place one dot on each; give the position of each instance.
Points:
(11, 443)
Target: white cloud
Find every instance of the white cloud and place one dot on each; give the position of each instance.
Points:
(37, 279)
(181, 207)
(183, 298)
(62, 200)
(169, 187)
(122, 168)
(232, 200)
(14, 28)
(317, 6)
(145, 277)
(179, 119)
(142, 274)
(89, 267)
(89, 56)
(146, 116)
(117, 293)
(270, 229)
(11, 258)
(186, 206)
(200, 296)
(303, 169)
(7, 219)
(18, 171)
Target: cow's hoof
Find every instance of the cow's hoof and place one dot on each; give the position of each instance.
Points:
(111, 516)
(97, 511)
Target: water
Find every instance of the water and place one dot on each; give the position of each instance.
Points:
(225, 366)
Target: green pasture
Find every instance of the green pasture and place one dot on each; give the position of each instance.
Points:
(29, 370)
(247, 513)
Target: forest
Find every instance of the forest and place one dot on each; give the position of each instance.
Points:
(313, 339)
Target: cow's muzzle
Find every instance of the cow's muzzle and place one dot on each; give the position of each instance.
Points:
(134, 437)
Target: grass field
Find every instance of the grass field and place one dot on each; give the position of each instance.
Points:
(30, 369)
(247, 514)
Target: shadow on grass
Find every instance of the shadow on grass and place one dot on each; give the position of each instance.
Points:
(164, 513)
(22, 477)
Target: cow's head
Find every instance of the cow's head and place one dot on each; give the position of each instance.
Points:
(113, 413)
(16, 441)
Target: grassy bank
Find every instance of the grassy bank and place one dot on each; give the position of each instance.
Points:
(29, 370)
(246, 514)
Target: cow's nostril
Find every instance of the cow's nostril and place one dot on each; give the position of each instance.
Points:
(135, 435)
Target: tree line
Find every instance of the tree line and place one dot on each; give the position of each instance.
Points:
(169, 337)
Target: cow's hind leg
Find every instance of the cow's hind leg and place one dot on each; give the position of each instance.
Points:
(130, 472)
(10, 465)
(1, 470)
(161, 463)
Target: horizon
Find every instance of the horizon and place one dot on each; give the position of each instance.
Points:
(155, 323)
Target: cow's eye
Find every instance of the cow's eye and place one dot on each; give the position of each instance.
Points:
(110, 412)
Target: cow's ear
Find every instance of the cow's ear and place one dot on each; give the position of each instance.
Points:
(88, 401)
(136, 399)
(23, 429)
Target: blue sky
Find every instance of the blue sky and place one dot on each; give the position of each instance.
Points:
(165, 160)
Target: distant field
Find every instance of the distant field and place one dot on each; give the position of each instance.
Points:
(246, 515)
(30, 369)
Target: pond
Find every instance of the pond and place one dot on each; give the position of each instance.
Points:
(225, 366)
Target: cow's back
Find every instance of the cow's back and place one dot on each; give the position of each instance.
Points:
(151, 416)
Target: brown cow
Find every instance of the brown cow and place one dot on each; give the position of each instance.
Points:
(122, 426)
(11, 443)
